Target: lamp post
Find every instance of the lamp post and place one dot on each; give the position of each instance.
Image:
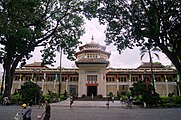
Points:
(33, 74)
(60, 77)
(145, 74)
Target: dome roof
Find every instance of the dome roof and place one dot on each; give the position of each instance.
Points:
(92, 43)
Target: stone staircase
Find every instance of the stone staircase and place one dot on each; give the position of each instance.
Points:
(89, 98)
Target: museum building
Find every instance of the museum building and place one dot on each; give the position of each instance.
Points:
(92, 75)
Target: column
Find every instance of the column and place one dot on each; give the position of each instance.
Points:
(19, 87)
(117, 85)
(42, 84)
(155, 85)
(54, 83)
(166, 83)
(66, 83)
(130, 84)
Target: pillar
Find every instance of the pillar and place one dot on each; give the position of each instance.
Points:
(166, 83)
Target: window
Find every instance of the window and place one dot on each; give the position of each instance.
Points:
(134, 79)
(91, 78)
(91, 55)
(122, 79)
(110, 79)
(73, 78)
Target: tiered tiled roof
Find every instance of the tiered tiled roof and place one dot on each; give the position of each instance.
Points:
(93, 50)
(92, 61)
(35, 65)
(92, 44)
(148, 65)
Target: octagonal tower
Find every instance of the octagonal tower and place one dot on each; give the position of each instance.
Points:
(92, 61)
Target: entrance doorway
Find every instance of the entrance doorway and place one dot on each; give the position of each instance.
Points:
(91, 90)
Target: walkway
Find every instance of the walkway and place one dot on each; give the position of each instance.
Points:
(66, 103)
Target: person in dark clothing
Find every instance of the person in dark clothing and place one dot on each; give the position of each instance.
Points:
(71, 102)
(47, 111)
(41, 102)
(29, 111)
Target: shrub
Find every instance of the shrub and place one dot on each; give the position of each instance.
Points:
(16, 99)
(30, 91)
(177, 99)
(52, 97)
(110, 94)
(164, 99)
(83, 96)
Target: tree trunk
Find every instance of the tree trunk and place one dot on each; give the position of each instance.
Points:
(151, 63)
(172, 56)
(8, 80)
(2, 84)
(9, 67)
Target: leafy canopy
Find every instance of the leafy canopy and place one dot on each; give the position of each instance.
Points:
(26, 24)
(133, 23)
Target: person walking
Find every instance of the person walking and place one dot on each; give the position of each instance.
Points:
(107, 104)
(71, 102)
(26, 111)
(41, 102)
(29, 111)
(47, 111)
(113, 99)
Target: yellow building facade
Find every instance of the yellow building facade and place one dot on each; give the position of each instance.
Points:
(93, 76)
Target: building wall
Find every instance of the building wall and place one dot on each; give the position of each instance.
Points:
(107, 80)
(104, 88)
(111, 88)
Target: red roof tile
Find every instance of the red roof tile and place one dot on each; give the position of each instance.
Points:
(35, 64)
(148, 65)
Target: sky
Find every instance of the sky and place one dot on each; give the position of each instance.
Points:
(129, 58)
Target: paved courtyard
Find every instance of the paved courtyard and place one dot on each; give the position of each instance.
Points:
(89, 111)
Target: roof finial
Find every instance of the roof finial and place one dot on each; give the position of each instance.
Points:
(92, 38)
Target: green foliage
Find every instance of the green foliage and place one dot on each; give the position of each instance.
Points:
(177, 99)
(30, 91)
(134, 23)
(52, 24)
(165, 99)
(16, 99)
(124, 97)
(51, 96)
(148, 96)
(110, 94)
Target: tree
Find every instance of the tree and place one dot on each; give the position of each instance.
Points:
(30, 91)
(27, 24)
(148, 48)
(148, 95)
(133, 23)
